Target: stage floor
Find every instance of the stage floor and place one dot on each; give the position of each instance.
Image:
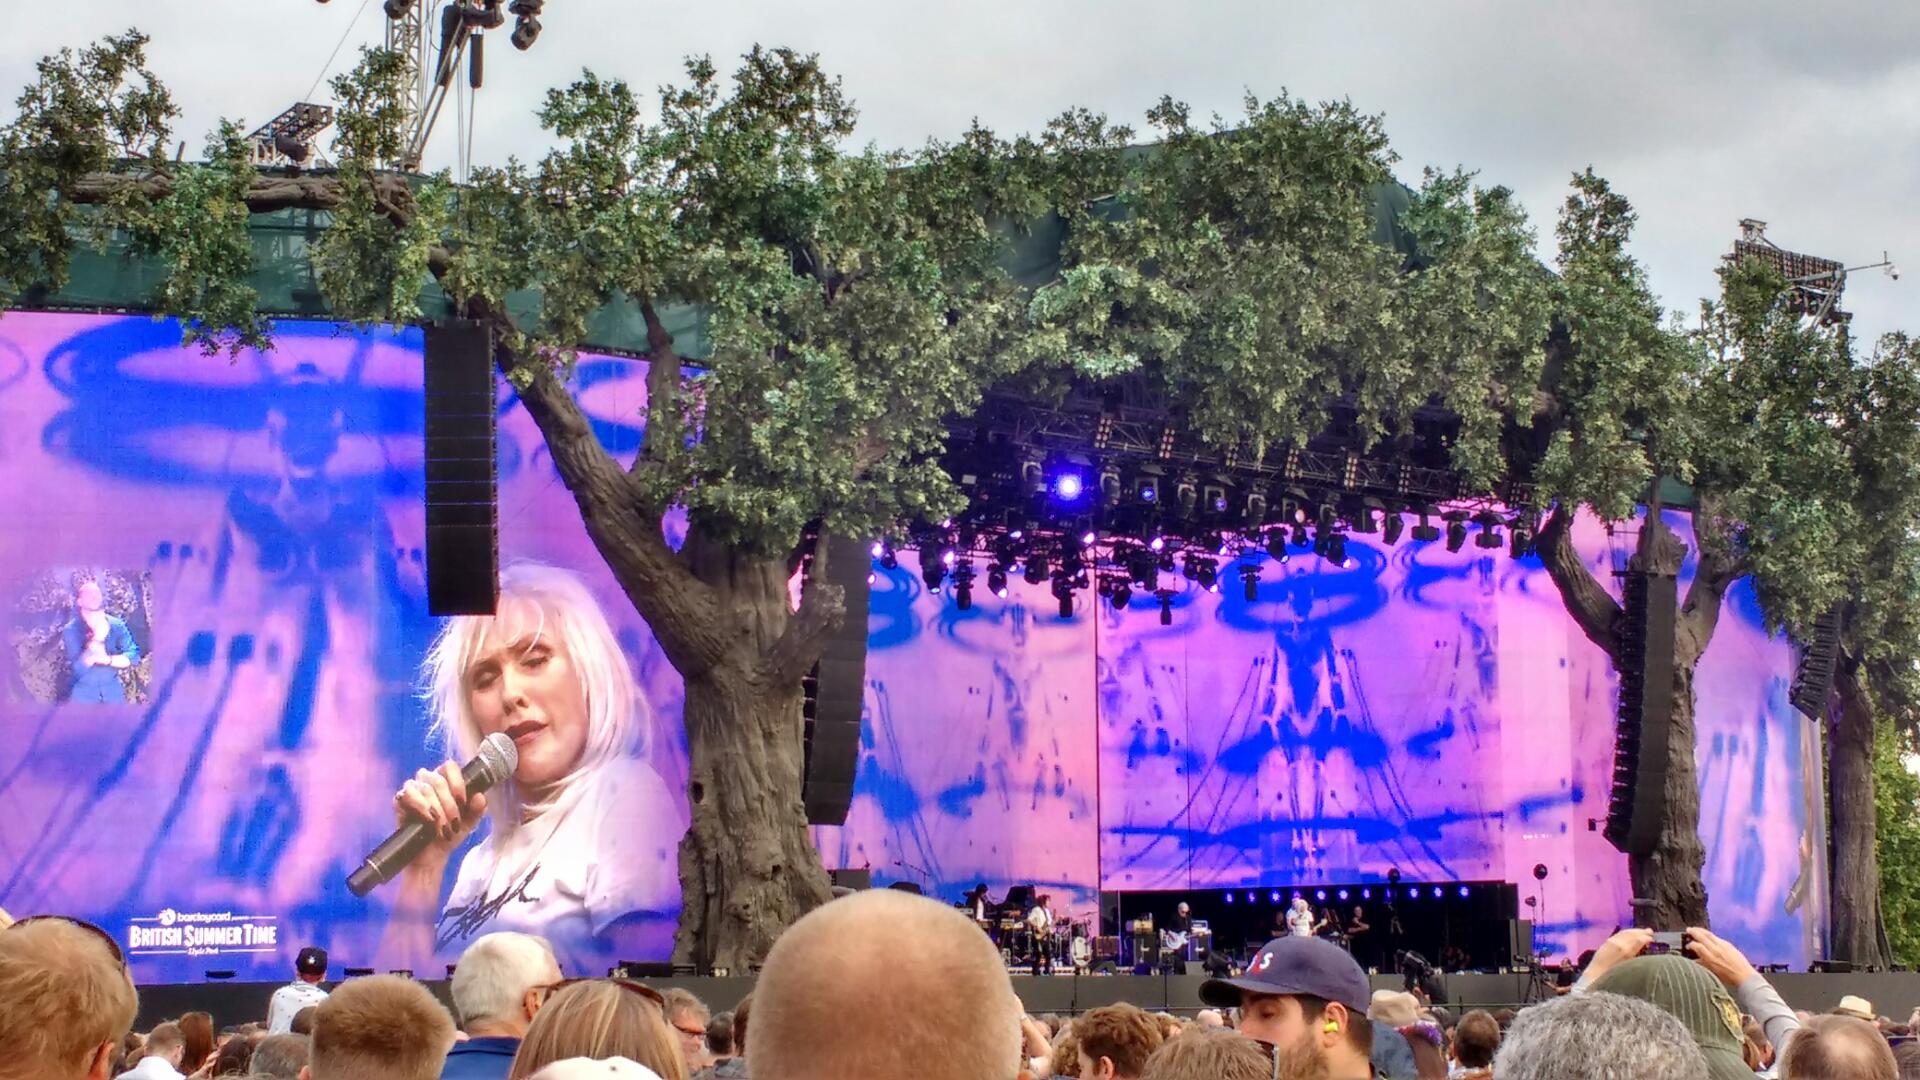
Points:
(1893, 993)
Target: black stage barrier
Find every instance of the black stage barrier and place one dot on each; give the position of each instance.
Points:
(1893, 993)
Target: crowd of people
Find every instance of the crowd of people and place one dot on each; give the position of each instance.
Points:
(886, 985)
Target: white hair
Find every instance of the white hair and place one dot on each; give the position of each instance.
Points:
(495, 973)
(550, 603)
(1595, 1035)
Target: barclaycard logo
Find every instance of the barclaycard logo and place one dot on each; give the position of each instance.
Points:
(201, 933)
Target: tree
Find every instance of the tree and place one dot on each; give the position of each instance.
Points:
(1875, 683)
(1897, 800)
(857, 302)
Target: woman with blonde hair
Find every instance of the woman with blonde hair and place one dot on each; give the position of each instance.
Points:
(582, 842)
(600, 1019)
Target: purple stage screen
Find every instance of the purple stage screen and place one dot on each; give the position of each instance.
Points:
(204, 783)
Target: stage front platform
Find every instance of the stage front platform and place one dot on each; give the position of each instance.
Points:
(1893, 994)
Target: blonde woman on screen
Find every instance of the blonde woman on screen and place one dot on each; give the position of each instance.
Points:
(581, 843)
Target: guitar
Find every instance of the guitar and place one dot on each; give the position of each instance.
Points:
(1172, 941)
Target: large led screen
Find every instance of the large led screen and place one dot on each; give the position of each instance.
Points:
(218, 661)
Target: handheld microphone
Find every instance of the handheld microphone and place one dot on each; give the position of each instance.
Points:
(492, 765)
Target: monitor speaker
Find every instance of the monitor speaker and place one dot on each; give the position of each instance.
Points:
(1519, 941)
(1813, 678)
(835, 692)
(1636, 808)
(462, 494)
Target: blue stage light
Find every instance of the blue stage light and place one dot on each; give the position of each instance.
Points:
(1229, 897)
(1320, 895)
(1343, 894)
(1250, 898)
(1463, 890)
(1275, 898)
(1069, 486)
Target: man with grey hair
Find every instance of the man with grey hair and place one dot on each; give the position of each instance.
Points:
(1598, 1036)
(280, 1057)
(497, 988)
(687, 1015)
(950, 1008)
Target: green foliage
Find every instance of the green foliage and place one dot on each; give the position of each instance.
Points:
(200, 229)
(1237, 265)
(85, 113)
(1897, 807)
(1619, 391)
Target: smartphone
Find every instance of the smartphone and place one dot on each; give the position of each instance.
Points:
(1667, 941)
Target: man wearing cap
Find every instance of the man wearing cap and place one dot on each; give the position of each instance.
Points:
(310, 967)
(1696, 992)
(1307, 998)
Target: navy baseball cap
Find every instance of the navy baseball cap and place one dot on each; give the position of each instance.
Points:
(311, 961)
(1296, 965)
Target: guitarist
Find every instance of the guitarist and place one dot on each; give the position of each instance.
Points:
(1175, 935)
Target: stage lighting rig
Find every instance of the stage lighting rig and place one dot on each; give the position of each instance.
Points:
(1456, 532)
(1489, 536)
(997, 581)
(288, 139)
(963, 584)
(1165, 597)
(1426, 532)
(1336, 552)
(1063, 592)
(1250, 582)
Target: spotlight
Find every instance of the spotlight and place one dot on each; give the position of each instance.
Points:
(932, 572)
(1539, 871)
(1426, 532)
(1489, 535)
(1277, 545)
(1250, 581)
(997, 581)
(1087, 538)
(1299, 537)
(1190, 567)
(525, 33)
(1109, 486)
(1069, 486)
(1165, 596)
(1463, 890)
(1366, 894)
(1520, 538)
(1141, 568)
(1229, 896)
(1275, 897)
(1209, 575)
(878, 548)
(397, 9)
(1390, 529)
(1036, 567)
(1063, 592)
(1337, 549)
(1456, 535)
(1186, 494)
(1343, 895)
(963, 585)
(1365, 522)
(1119, 592)
(1158, 543)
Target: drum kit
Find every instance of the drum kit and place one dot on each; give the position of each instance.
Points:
(1068, 942)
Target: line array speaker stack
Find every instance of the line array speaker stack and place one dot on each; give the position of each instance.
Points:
(463, 535)
(835, 691)
(1813, 679)
(1636, 809)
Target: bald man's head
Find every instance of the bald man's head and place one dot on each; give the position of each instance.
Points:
(1837, 1048)
(951, 1010)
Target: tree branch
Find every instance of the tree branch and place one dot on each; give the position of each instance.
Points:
(663, 381)
(1700, 612)
(299, 191)
(822, 607)
(1593, 609)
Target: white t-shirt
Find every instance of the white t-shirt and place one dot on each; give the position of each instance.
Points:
(1039, 918)
(1300, 923)
(287, 1001)
(611, 851)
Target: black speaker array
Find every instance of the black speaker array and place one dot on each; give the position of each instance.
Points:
(835, 691)
(1813, 679)
(1636, 809)
(463, 536)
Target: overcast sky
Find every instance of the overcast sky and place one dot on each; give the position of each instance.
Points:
(1804, 115)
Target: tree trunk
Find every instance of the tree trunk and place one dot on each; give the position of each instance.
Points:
(1669, 878)
(1856, 864)
(748, 867)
